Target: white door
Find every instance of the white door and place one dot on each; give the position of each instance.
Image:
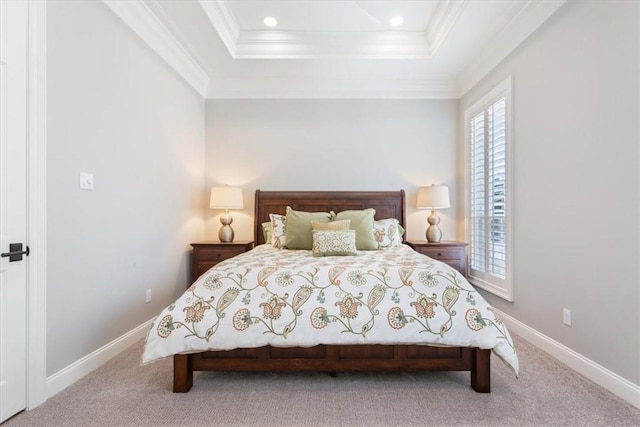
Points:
(13, 206)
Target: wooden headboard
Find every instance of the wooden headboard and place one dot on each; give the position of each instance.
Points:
(388, 204)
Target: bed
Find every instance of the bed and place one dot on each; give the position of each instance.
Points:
(345, 344)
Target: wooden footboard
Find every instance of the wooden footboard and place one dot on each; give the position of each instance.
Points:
(331, 358)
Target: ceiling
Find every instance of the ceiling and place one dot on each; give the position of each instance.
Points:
(333, 48)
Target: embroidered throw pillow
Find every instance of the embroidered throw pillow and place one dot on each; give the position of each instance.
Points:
(334, 243)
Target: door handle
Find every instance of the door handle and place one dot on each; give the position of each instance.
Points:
(15, 252)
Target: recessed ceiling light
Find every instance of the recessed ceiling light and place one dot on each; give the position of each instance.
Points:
(396, 21)
(270, 21)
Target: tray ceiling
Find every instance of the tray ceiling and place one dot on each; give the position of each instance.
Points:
(333, 48)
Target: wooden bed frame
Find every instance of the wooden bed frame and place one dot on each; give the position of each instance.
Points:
(335, 358)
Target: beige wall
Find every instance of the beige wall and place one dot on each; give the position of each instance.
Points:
(333, 145)
(576, 181)
(115, 109)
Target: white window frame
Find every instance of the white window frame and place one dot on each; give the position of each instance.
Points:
(497, 286)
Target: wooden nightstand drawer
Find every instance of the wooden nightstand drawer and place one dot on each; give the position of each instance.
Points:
(451, 253)
(208, 254)
(216, 255)
(441, 254)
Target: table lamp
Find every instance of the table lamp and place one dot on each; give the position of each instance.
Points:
(433, 197)
(226, 198)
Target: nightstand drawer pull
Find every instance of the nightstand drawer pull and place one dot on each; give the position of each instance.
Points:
(443, 253)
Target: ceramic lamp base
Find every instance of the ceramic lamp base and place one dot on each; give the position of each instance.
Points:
(434, 235)
(225, 234)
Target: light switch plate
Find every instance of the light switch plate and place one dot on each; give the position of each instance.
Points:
(86, 181)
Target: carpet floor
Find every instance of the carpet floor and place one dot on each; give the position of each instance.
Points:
(124, 393)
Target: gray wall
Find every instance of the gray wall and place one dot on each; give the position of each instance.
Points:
(117, 110)
(333, 145)
(576, 181)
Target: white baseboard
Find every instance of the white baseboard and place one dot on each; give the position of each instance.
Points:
(72, 373)
(613, 382)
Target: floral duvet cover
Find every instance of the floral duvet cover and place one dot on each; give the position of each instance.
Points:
(286, 298)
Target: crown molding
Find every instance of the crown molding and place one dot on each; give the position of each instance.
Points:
(159, 32)
(222, 19)
(145, 23)
(277, 44)
(443, 19)
(526, 21)
(299, 88)
(155, 6)
(307, 45)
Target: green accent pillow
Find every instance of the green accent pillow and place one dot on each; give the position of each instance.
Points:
(362, 223)
(298, 230)
(267, 229)
(334, 242)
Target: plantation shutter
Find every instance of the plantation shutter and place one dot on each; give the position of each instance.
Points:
(496, 186)
(477, 219)
(488, 196)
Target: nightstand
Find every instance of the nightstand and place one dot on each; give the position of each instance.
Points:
(451, 253)
(208, 254)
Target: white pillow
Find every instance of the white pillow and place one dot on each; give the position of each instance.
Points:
(387, 232)
(279, 227)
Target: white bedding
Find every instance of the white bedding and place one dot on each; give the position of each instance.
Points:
(288, 298)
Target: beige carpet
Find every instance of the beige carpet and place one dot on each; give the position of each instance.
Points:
(123, 393)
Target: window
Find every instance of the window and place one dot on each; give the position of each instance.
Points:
(488, 140)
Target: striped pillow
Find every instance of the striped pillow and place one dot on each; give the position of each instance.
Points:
(332, 225)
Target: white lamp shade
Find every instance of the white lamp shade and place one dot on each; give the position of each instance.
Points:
(433, 197)
(226, 198)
